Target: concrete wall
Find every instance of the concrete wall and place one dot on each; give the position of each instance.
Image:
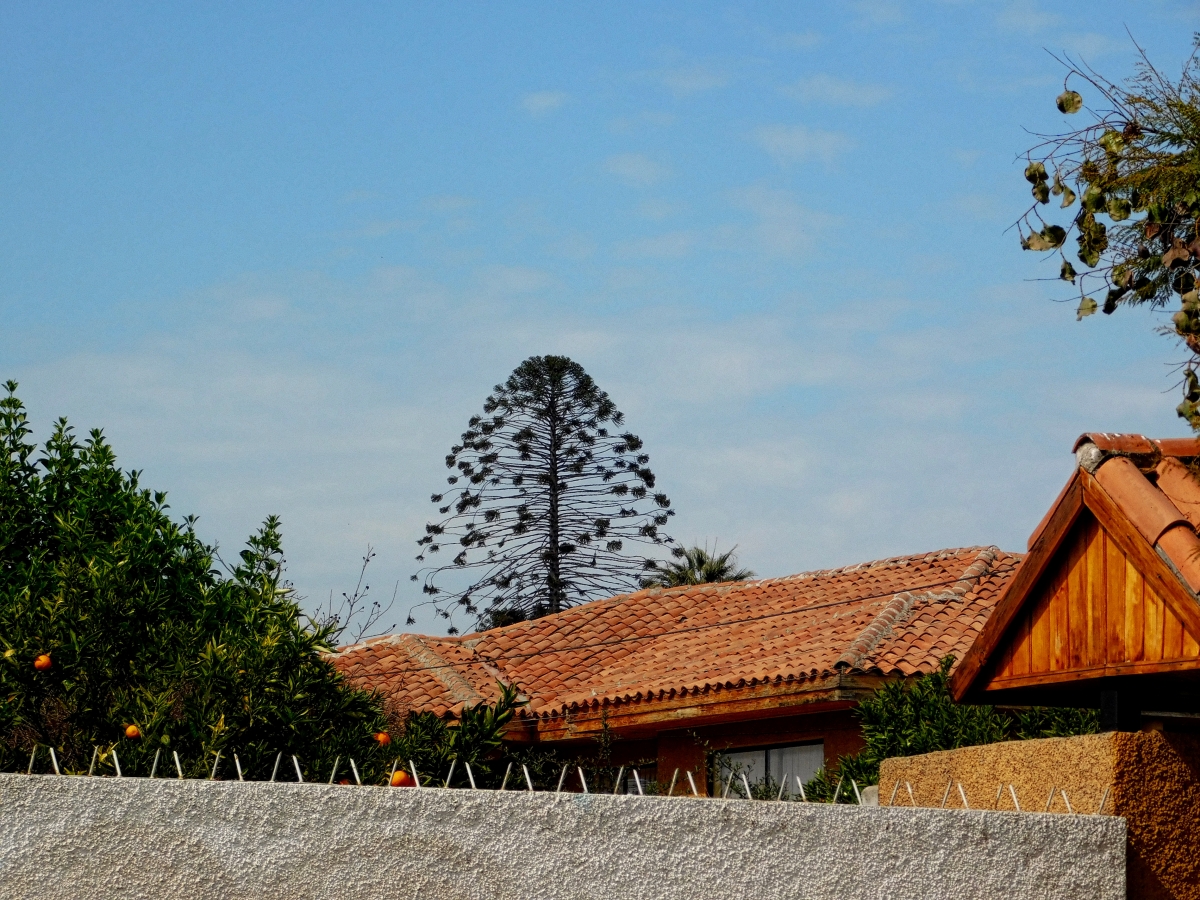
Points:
(1152, 778)
(75, 837)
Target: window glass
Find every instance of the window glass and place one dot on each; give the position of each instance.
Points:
(775, 763)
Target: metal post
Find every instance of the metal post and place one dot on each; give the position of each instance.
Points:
(392, 774)
(800, 785)
(617, 781)
(29, 771)
(782, 785)
(299, 774)
(895, 790)
(837, 790)
(216, 762)
(582, 780)
(674, 777)
(154, 768)
(332, 775)
(470, 775)
(638, 782)
(354, 769)
(413, 768)
(116, 762)
(507, 772)
(857, 792)
(92, 767)
(528, 780)
(1067, 801)
(728, 786)
(1103, 800)
(946, 795)
(178, 767)
(692, 782)
(999, 791)
(963, 794)
(237, 762)
(1050, 799)
(561, 779)
(911, 798)
(275, 771)
(749, 796)
(54, 761)
(450, 774)
(1013, 791)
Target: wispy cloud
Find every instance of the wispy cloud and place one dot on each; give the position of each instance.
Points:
(795, 40)
(837, 91)
(1027, 16)
(791, 144)
(636, 169)
(695, 79)
(782, 227)
(673, 245)
(383, 228)
(543, 102)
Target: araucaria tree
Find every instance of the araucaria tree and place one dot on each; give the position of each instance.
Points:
(552, 503)
(1136, 164)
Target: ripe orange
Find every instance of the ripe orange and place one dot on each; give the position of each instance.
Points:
(132, 732)
(383, 738)
(42, 663)
(402, 779)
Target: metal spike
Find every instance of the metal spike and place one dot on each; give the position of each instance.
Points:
(1016, 803)
(154, 768)
(746, 784)
(1050, 799)
(963, 794)
(54, 761)
(674, 778)
(92, 767)
(638, 782)
(857, 792)
(528, 780)
(1067, 801)
(178, 767)
(911, 798)
(728, 787)
(1103, 800)
(470, 775)
(275, 771)
(29, 771)
(507, 772)
(895, 790)
(333, 774)
(946, 796)
(413, 769)
(561, 779)
(692, 782)
(800, 785)
(238, 763)
(999, 792)
(617, 780)
(299, 774)
(354, 769)
(216, 762)
(451, 773)
(837, 790)
(116, 762)
(582, 780)
(392, 775)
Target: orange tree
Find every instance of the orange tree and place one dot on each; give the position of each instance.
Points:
(114, 615)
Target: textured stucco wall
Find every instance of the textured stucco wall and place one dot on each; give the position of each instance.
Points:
(1153, 782)
(76, 837)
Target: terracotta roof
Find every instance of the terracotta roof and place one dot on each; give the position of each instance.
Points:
(894, 616)
(1154, 487)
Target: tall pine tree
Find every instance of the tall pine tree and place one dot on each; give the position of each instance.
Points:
(552, 504)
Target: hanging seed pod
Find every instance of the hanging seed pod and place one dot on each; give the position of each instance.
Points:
(1069, 102)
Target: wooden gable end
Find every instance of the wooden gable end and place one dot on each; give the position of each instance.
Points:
(1094, 612)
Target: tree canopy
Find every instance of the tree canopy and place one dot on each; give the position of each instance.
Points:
(1134, 168)
(699, 566)
(552, 503)
(120, 631)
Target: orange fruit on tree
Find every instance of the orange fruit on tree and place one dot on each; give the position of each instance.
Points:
(383, 738)
(132, 732)
(400, 778)
(42, 663)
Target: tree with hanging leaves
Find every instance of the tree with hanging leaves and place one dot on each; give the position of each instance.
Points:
(1134, 167)
(699, 565)
(552, 503)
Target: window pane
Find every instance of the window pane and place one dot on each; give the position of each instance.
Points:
(802, 760)
(751, 763)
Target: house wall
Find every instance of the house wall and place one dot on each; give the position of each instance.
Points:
(1152, 779)
(78, 837)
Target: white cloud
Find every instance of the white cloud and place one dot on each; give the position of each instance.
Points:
(673, 245)
(1027, 16)
(795, 40)
(789, 144)
(782, 227)
(543, 102)
(636, 169)
(383, 228)
(837, 91)
(688, 80)
(656, 209)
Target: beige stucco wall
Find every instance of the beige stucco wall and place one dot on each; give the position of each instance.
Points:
(1152, 778)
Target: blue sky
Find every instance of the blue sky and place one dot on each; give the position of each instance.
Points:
(281, 253)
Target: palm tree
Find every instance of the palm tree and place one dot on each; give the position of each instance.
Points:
(699, 566)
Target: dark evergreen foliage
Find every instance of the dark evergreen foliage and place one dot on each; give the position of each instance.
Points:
(551, 503)
(699, 566)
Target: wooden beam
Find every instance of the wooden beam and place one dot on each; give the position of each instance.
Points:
(1024, 579)
(1096, 672)
(1157, 574)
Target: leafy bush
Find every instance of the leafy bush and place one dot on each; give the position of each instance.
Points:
(903, 719)
(142, 628)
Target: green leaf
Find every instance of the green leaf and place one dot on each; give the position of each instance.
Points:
(1068, 197)
(1067, 273)
(1041, 192)
(1119, 209)
(1035, 172)
(1094, 200)
(1112, 142)
(1087, 307)
(1069, 102)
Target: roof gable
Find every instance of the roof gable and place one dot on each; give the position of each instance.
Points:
(1107, 589)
